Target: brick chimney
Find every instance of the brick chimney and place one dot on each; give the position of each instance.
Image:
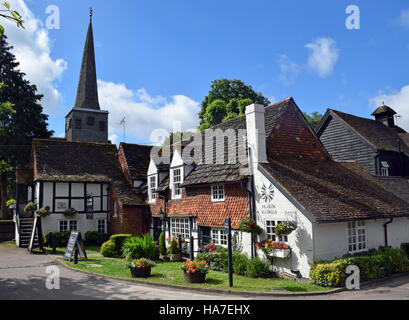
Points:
(256, 133)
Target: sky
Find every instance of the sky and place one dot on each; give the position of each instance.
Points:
(156, 59)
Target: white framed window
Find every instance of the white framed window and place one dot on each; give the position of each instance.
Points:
(384, 169)
(62, 226)
(73, 225)
(152, 188)
(101, 226)
(270, 225)
(357, 241)
(67, 225)
(218, 193)
(180, 227)
(176, 181)
(219, 237)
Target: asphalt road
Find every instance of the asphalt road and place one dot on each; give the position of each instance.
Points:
(23, 277)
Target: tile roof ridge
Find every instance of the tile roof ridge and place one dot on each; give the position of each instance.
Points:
(135, 145)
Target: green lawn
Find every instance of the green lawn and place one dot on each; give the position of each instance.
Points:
(167, 272)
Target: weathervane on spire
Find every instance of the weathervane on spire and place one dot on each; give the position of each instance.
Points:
(90, 13)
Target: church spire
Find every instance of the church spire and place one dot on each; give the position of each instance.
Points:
(87, 92)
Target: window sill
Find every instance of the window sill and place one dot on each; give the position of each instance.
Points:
(218, 201)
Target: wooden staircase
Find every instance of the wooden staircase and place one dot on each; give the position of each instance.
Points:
(26, 228)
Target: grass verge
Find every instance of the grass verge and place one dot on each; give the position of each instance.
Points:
(170, 273)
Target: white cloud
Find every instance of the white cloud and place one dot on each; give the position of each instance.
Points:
(398, 101)
(323, 56)
(32, 50)
(145, 113)
(113, 138)
(289, 71)
(403, 19)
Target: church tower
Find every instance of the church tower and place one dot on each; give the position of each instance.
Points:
(86, 122)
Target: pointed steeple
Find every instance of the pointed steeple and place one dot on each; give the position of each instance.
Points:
(87, 92)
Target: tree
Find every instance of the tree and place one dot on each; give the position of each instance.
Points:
(314, 119)
(228, 90)
(21, 118)
(11, 15)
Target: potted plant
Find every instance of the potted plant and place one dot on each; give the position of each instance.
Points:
(30, 207)
(284, 228)
(195, 271)
(44, 212)
(141, 268)
(174, 252)
(250, 225)
(274, 249)
(69, 213)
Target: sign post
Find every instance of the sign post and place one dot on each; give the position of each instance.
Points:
(75, 242)
(227, 228)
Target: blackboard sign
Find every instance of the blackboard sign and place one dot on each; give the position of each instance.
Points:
(75, 241)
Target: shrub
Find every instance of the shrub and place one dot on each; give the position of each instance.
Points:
(162, 245)
(95, 238)
(258, 268)
(60, 238)
(240, 262)
(108, 249)
(374, 264)
(119, 239)
(136, 248)
(173, 249)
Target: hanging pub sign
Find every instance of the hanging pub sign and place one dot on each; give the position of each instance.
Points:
(75, 241)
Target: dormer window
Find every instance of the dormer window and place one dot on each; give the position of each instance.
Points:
(218, 193)
(384, 169)
(176, 178)
(152, 188)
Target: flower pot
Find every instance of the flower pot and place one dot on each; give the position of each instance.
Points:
(176, 257)
(195, 277)
(282, 254)
(141, 272)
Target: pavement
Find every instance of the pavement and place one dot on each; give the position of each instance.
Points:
(24, 276)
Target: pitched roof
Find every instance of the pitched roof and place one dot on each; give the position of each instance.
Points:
(335, 192)
(383, 109)
(137, 158)
(216, 173)
(60, 160)
(397, 185)
(379, 136)
(87, 91)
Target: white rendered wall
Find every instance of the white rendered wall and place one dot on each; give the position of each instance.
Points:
(278, 208)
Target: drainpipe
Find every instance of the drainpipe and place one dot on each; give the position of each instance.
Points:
(385, 227)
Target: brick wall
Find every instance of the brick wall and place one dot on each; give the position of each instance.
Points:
(124, 165)
(131, 219)
(197, 202)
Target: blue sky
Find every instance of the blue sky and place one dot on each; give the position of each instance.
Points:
(156, 59)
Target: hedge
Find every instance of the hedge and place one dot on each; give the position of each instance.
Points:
(95, 238)
(60, 238)
(108, 249)
(375, 264)
(119, 239)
